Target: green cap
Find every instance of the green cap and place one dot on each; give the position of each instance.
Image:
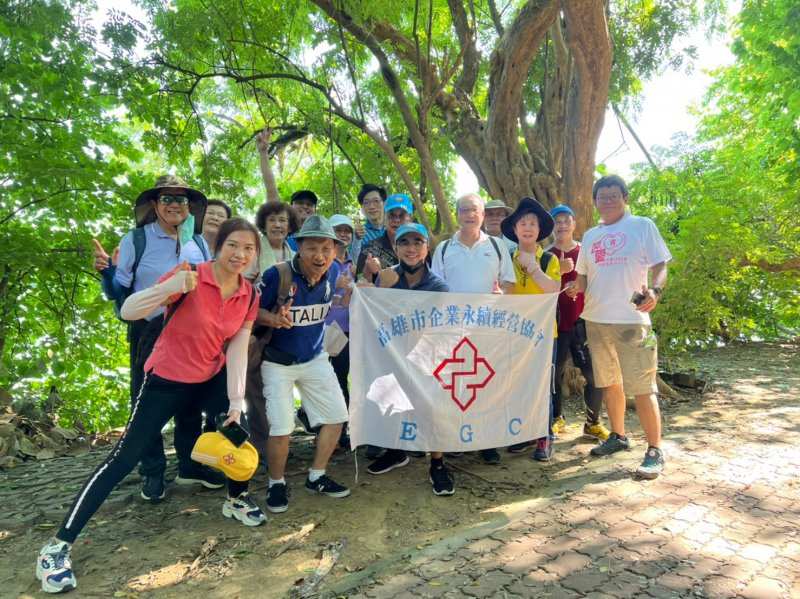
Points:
(317, 226)
(498, 204)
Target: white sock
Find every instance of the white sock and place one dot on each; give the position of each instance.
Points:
(275, 482)
(313, 475)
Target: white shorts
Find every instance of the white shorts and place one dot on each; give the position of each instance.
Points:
(320, 394)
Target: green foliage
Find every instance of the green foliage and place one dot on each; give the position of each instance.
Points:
(729, 199)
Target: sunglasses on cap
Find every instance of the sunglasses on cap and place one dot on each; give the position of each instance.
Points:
(168, 199)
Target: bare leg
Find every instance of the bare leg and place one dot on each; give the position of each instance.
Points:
(650, 418)
(326, 443)
(614, 397)
(277, 453)
(436, 455)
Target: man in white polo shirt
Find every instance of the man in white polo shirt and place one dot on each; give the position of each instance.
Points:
(614, 262)
(474, 262)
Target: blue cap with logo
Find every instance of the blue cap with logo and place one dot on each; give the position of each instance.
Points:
(562, 209)
(399, 200)
(411, 228)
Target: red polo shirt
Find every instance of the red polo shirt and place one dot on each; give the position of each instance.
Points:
(568, 309)
(191, 347)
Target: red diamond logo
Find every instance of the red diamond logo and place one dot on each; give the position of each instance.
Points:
(464, 373)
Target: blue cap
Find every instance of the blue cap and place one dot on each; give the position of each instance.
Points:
(340, 219)
(562, 209)
(411, 228)
(398, 200)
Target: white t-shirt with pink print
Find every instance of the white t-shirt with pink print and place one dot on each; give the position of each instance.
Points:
(615, 259)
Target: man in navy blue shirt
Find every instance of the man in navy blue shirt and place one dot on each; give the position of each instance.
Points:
(294, 357)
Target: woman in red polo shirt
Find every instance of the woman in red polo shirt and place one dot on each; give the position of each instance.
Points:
(189, 369)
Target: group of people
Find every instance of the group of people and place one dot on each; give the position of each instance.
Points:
(229, 317)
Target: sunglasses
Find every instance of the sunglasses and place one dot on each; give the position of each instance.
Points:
(166, 200)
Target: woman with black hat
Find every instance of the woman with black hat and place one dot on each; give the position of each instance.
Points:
(169, 222)
(537, 271)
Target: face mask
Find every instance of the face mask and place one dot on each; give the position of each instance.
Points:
(411, 269)
(186, 230)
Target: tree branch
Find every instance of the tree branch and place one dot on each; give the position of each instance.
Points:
(790, 264)
(638, 141)
(465, 84)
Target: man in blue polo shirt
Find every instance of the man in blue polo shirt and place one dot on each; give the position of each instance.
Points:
(294, 358)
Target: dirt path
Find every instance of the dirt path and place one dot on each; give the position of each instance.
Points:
(721, 522)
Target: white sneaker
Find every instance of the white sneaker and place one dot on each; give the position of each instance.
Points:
(244, 509)
(54, 568)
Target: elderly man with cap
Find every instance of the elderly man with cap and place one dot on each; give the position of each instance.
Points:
(379, 253)
(474, 262)
(572, 329)
(614, 264)
(169, 220)
(495, 212)
(294, 357)
(536, 272)
(411, 246)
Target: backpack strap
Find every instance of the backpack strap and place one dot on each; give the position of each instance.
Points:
(139, 243)
(496, 249)
(544, 260)
(284, 282)
(198, 239)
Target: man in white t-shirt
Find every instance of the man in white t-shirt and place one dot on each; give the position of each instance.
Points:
(613, 267)
(474, 262)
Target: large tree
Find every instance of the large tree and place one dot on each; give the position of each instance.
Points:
(519, 91)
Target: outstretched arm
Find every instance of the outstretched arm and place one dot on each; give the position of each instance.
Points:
(143, 302)
(262, 142)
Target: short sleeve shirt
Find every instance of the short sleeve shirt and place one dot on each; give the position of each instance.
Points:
(473, 269)
(380, 248)
(429, 282)
(569, 310)
(190, 349)
(525, 283)
(310, 307)
(615, 259)
(161, 254)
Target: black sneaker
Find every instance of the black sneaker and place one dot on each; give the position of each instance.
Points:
(613, 444)
(372, 452)
(278, 498)
(521, 447)
(303, 418)
(391, 459)
(327, 486)
(442, 481)
(153, 488)
(200, 474)
(652, 465)
(490, 456)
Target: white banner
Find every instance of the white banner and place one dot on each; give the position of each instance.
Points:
(449, 371)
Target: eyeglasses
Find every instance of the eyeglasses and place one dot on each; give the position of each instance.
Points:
(166, 200)
(417, 243)
(372, 202)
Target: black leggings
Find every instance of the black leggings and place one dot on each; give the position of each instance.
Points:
(157, 402)
(592, 397)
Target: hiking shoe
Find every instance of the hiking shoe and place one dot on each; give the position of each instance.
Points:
(243, 509)
(520, 447)
(54, 567)
(490, 456)
(391, 459)
(559, 425)
(327, 486)
(544, 450)
(303, 418)
(200, 474)
(613, 444)
(652, 465)
(153, 488)
(442, 481)
(278, 498)
(596, 431)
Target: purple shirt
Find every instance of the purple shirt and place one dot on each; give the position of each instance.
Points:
(338, 313)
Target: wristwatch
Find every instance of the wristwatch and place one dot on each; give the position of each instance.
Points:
(657, 291)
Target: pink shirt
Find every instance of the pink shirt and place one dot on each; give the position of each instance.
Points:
(191, 348)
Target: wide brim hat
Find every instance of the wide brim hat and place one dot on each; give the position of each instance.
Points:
(528, 206)
(498, 204)
(144, 212)
(216, 450)
(317, 225)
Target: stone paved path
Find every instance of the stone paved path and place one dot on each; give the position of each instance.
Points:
(722, 522)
